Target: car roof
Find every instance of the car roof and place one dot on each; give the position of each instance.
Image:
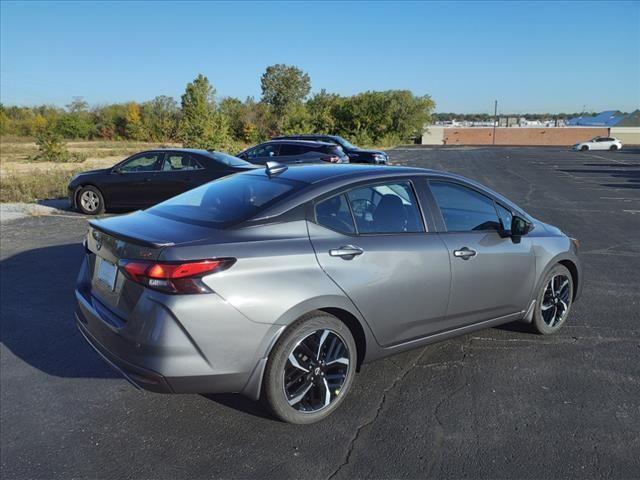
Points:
(315, 173)
(325, 178)
(304, 135)
(177, 149)
(310, 143)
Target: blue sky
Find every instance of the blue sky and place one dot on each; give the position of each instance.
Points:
(531, 56)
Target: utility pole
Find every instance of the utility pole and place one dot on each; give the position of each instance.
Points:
(495, 120)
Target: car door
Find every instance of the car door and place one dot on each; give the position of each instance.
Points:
(180, 172)
(605, 143)
(261, 154)
(372, 241)
(491, 274)
(130, 183)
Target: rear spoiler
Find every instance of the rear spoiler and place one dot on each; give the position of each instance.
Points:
(144, 242)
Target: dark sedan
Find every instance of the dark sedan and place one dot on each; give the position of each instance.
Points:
(147, 178)
(356, 154)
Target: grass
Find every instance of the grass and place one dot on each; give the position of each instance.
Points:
(21, 187)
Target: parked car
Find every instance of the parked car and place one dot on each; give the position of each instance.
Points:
(147, 178)
(599, 143)
(279, 283)
(356, 155)
(294, 151)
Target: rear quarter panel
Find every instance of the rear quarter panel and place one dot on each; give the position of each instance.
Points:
(276, 277)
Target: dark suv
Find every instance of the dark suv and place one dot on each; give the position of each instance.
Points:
(294, 151)
(356, 155)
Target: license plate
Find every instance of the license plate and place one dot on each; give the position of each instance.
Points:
(107, 273)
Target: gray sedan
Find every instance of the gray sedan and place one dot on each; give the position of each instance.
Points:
(279, 283)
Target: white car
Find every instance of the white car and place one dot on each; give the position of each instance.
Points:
(599, 143)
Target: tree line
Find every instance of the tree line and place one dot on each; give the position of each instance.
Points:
(487, 117)
(202, 120)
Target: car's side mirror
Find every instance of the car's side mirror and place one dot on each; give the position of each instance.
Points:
(519, 226)
(117, 170)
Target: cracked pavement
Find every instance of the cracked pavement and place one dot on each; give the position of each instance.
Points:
(496, 403)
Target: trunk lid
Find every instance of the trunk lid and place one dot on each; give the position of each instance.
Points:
(137, 236)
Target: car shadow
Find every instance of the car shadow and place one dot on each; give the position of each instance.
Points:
(37, 322)
(626, 175)
(240, 403)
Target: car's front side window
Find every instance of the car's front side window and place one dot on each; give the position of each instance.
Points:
(385, 208)
(269, 150)
(464, 209)
(142, 163)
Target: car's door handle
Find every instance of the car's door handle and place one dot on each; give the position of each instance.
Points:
(464, 253)
(347, 252)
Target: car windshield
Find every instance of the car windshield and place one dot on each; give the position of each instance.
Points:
(226, 201)
(346, 143)
(230, 160)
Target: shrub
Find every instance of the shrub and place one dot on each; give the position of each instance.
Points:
(51, 148)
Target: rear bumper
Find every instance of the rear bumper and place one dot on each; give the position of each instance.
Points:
(138, 377)
(177, 344)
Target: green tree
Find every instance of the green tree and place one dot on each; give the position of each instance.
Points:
(284, 87)
(297, 120)
(201, 126)
(323, 109)
(160, 118)
(74, 125)
(234, 111)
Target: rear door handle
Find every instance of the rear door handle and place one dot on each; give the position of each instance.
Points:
(464, 253)
(346, 252)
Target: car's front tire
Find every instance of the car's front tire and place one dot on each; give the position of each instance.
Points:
(310, 369)
(554, 301)
(584, 148)
(613, 148)
(90, 200)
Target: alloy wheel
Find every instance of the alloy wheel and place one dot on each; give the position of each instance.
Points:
(556, 301)
(89, 201)
(316, 370)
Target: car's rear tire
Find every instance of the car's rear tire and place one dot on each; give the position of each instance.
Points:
(554, 301)
(90, 200)
(310, 370)
(584, 148)
(613, 148)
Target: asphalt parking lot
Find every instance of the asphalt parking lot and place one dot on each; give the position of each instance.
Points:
(498, 403)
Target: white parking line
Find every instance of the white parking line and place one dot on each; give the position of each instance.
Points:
(606, 158)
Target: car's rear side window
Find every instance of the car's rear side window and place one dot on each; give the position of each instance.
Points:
(180, 161)
(386, 208)
(227, 201)
(334, 213)
(288, 149)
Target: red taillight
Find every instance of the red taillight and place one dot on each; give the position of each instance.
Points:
(174, 277)
(331, 159)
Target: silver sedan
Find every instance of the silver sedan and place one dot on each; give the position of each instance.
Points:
(279, 283)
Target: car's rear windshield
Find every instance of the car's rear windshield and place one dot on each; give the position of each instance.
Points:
(230, 160)
(226, 201)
